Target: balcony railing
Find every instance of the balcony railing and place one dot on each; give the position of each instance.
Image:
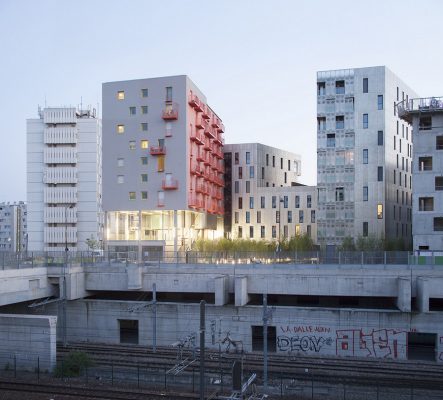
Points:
(170, 184)
(208, 144)
(195, 202)
(170, 112)
(197, 137)
(209, 131)
(216, 122)
(219, 139)
(206, 113)
(157, 150)
(194, 101)
(195, 169)
(222, 128)
(424, 104)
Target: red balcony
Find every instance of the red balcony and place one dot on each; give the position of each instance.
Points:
(170, 112)
(207, 160)
(218, 194)
(209, 131)
(216, 122)
(218, 138)
(195, 169)
(201, 123)
(195, 202)
(157, 150)
(170, 184)
(193, 101)
(197, 137)
(221, 167)
(208, 144)
(219, 181)
(222, 128)
(218, 153)
(206, 113)
(201, 187)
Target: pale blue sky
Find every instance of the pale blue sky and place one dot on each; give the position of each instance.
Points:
(255, 60)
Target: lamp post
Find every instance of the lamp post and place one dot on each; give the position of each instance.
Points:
(65, 267)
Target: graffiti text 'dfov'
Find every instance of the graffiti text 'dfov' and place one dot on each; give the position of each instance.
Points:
(302, 343)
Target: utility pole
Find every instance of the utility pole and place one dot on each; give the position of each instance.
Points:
(202, 349)
(265, 343)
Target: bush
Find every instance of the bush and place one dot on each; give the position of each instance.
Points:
(73, 364)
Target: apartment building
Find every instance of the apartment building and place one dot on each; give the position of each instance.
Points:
(64, 179)
(13, 227)
(364, 172)
(426, 117)
(263, 199)
(163, 165)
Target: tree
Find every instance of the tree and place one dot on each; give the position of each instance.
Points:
(93, 244)
(347, 244)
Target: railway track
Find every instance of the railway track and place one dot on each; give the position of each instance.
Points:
(386, 372)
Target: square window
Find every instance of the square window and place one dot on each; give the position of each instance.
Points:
(144, 144)
(132, 145)
(439, 143)
(121, 95)
(120, 129)
(144, 177)
(132, 196)
(132, 110)
(144, 195)
(144, 126)
(425, 123)
(438, 224)
(425, 204)
(120, 162)
(439, 183)
(144, 109)
(120, 179)
(144, 92)
(425, 163)
(144, 160)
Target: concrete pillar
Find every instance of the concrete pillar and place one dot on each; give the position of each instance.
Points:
(404, 293)
(221, 290)
(134, 273)
(422, 294)
(241, 291)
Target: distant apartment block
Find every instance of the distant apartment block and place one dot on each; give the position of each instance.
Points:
(364, 149)
(426, 117)
(163, 165)
(64, 179)
(263, 199)
(13, 227)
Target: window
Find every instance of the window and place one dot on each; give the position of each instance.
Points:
(251, 171)
(398, 94)
(248, 186)
(379, 211)
(132, 145)
(144, 109)
(144, 126)
(120, 129)
(439, 143)
(161, 163)
(144, 92)
(289, 165)
(321, 123)
(308, 201)
(262, 231)
(300, 216)
(380, 138)
(236, 217)
(144, 177)
(240, 173)
(439, 183)
(289, 217)
(274, 202)
(297, 201)
(274, 232)
(438, 224)
(251, 232)
(248, 217)
(425, 204)
(339, 194)
(281, 163)
(365, 85)
(144, 195)
(258, 217)
(240, 203)
(365, 156)
(286, 177)
(425, 163)
(144, 144)
(339, 87)
(132, 110)
(380, 102)
(267, 160)
(120, 179)
(365, 193)
(330, 140)
(312, 216)
(285, 231)
(308, 231)
(297, 230)
(263, 172)
(277, 217)
(365, 121)
(144, 160)
(120, 162)
(425, 123)
(169, 94)
(380, 174)
(395, 176)
(285, 201)
(251, 203)
(262, 201)
(236, 158)
(340, 122)
(236, 187)
(273, 161)
(248, 157)
(121, 95)
(365, 229)
(132, 196)
(240, 232)
(321, 88)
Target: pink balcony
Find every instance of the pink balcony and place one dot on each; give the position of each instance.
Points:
(195, 169)
(209, 131)
(170, 184)
(195, 202)
(201, 156)
(206, 113)
(201, 123)
(193, 101)
(216, 122)
(222, 128)
(207, 159)
(157, 150)
(170, 112)
(219, 181)
(200, 187)
(208, 144)
(221, 167)
(197, 137)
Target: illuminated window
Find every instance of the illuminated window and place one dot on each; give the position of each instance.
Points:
(132, 196)
(160, 198)
(380, 211)
(297, 230)
(120, 129)
(132, 145)
(144, 144)
(144, 92)
(121, 95)
(160, 163)
(144, 109)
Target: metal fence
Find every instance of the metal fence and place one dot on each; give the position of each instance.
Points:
(10, 260)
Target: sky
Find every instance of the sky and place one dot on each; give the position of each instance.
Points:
(256, 61)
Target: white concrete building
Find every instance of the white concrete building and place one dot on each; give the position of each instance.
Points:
(426, 117)
(364, 156)
(263, 199)
(13, 227)
(64, 179)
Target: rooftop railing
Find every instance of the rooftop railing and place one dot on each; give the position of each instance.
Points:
(419, 104)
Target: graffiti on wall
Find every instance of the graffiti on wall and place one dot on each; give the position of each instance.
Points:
(440, 347)
(357, 342)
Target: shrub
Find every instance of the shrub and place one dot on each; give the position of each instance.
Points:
(73, 364)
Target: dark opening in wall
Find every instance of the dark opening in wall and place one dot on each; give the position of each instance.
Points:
(421, 346)
(128, 331)
(257, 338)
(435, 304)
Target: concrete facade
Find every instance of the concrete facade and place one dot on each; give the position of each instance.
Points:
(364, 156)
(426, 117)
(13, 227)
(64, 179)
